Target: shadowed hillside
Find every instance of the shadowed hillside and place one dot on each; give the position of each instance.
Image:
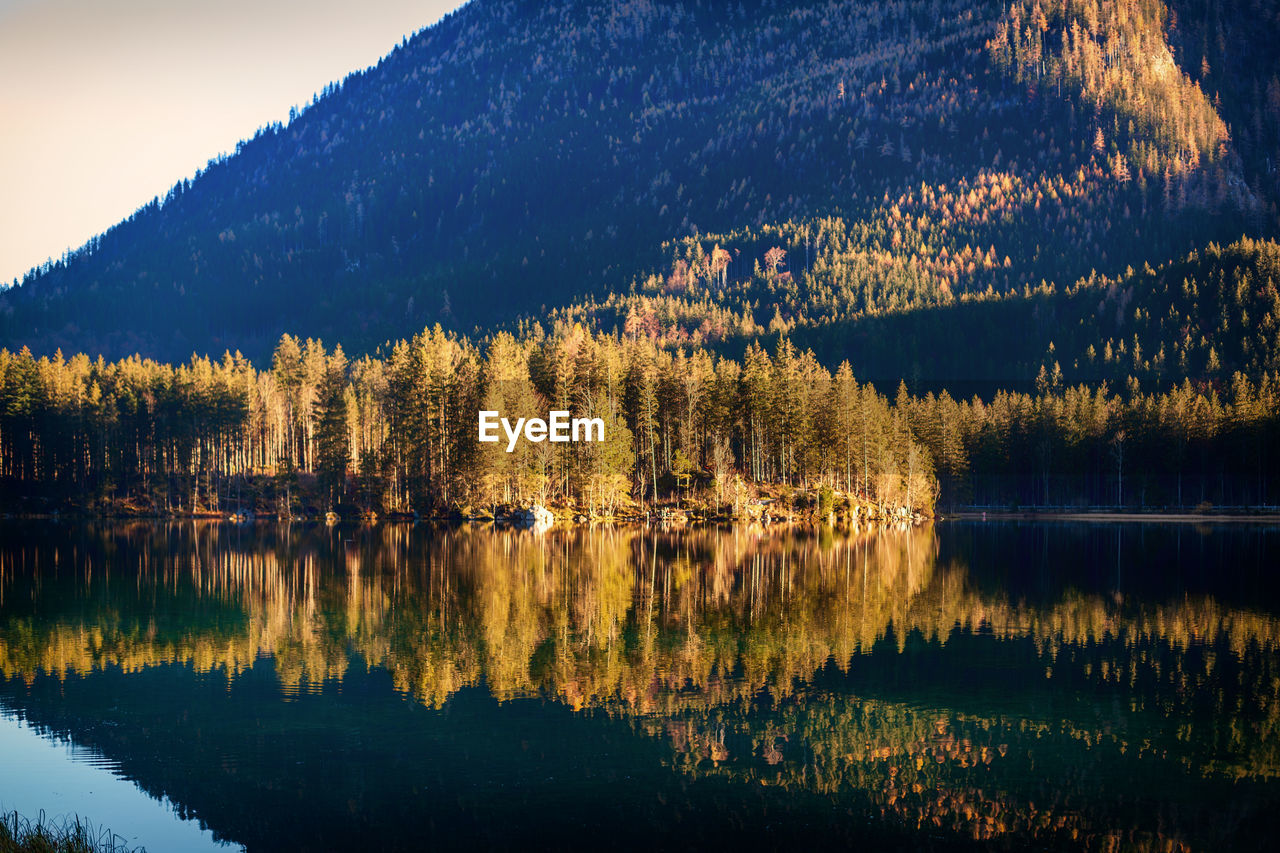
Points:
(518, 156)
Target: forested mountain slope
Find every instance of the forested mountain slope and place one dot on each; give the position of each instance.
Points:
(522, 156)
(1203, 317)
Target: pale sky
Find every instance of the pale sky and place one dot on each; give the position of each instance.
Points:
(105, 104)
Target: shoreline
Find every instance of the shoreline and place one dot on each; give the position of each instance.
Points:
(1111, 516)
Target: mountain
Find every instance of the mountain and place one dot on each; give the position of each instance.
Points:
(837, 170)
(1204, 316)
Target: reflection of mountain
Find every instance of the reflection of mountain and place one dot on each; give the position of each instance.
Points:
(860, 669)
(985, 778)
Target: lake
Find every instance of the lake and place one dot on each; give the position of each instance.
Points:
(963, 685)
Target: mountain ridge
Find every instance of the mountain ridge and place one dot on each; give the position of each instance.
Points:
(561, 146)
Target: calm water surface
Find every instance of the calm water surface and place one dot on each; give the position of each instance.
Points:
(962, 686)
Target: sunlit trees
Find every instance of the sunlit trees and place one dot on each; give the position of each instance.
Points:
(332, 430)
(398, 432)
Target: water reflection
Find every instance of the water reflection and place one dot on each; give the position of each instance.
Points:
(42, 774)
(1001, 685)
(615, 618)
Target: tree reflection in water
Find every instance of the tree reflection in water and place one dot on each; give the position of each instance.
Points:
(867, 668)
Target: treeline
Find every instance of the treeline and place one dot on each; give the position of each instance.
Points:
(1188, 447)
(1205, 315)
(398, 432)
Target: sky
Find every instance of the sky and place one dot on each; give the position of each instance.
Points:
(61, 779)
(105, 104)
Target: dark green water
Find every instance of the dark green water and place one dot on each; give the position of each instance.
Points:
(962, 686)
